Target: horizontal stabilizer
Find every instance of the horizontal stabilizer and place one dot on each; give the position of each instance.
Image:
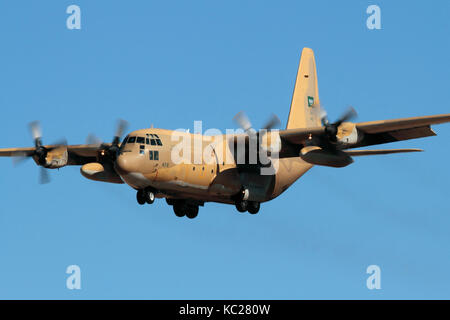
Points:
(355, 153)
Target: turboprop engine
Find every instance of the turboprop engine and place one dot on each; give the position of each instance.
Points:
(46, 157)
(337, 135)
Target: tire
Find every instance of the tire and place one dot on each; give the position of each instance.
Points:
(192, 212)
(179, 209)
(241, 206)
(149, 197)
(140, 197)
(253, 207)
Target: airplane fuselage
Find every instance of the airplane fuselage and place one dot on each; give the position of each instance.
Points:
(211, 177)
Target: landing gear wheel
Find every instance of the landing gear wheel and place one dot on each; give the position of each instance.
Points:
(242, 205)
(192, 212)
(179, 209)
(149, 196)
(253, 207)
(140, 197)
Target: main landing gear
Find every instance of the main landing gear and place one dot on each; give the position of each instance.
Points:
(182, 208)
(144, 196)
(243, 204)
(250, 206)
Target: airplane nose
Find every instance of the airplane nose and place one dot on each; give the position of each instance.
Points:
(122, 164)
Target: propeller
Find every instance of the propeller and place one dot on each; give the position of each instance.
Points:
(113, 150)
(324, 117)
(36, 133)
(273, 122)
(44, 177)
(122, 125)
(331, 129)
(93, 139)
(40, 152)
(242, 120)
(110, 151)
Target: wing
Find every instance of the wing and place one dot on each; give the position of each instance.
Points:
(372, 133)
(77, 154)
(16, 152)
(385, 131)
(84, 153)
(299, 136)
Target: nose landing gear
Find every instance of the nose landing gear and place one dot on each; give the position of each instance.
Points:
(149, 196)
(144, 196)
(140, 197)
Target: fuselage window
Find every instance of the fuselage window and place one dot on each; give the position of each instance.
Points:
(140, 140)
(150, 155)
(131, 140)
(142, 149)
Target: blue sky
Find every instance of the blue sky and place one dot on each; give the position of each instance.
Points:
(170, 63)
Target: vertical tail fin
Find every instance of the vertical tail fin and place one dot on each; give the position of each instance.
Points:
(305, 105)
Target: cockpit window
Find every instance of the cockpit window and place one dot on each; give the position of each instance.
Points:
(124, 140)
(140, 140)
(131, 139)
(153, 139)
(153, 155)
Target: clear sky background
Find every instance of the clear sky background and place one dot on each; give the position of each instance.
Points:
(169, 63)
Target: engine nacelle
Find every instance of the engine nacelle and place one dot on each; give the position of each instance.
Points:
(56, 158)
(95, 171)
(348, 134)
(318, 156)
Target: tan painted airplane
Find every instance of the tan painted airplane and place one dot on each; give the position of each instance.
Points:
(145, 158)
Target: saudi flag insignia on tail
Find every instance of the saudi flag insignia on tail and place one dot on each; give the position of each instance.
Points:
(310, 101)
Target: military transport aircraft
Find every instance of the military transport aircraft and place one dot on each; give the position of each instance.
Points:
(144, 159)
